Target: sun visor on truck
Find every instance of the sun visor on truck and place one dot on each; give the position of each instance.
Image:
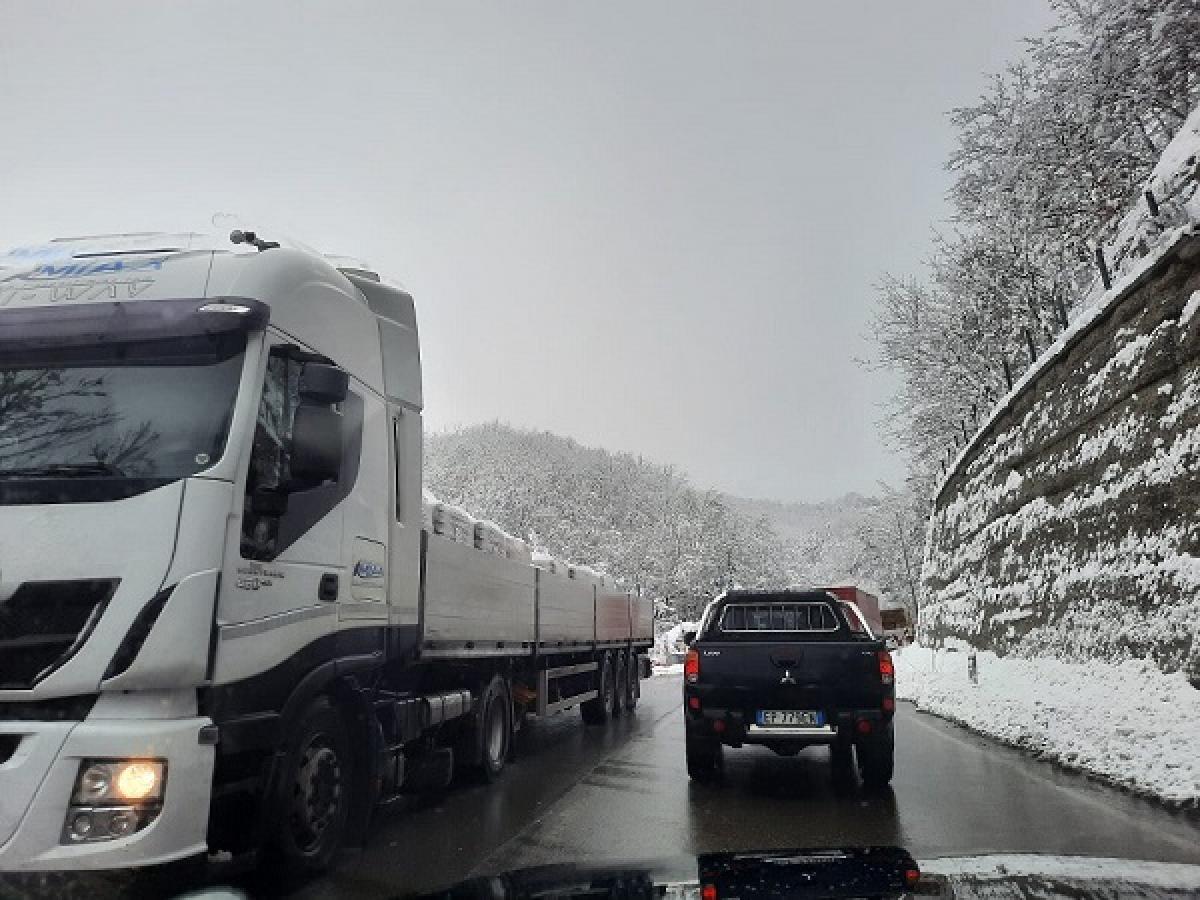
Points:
(142, 330)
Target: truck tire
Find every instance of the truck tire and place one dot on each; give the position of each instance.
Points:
(633, 684)
(705, 759)
(597, 710)
(621, 685)
(495, 729)
(877, 757)
(308, 813)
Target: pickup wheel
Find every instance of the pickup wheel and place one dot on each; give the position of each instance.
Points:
(597, 710)
(877, 757)
(309, 810)
(705, 759)
(621, 686)
(841, 757)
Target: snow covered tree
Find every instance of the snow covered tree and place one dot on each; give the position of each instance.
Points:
(1046, 161)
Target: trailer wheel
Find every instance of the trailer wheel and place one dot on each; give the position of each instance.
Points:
(309, 811)
(495, 729)
(596, 711)
(621, 686)
(633, 684)
(877, 757)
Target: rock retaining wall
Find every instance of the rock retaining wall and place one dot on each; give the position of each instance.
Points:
(1072, 527)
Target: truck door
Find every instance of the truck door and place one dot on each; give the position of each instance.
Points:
(366, 512)
(292, 568)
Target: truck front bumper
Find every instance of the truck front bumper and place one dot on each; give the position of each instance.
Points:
(38, 779)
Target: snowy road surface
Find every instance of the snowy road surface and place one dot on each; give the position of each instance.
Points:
(589, 794)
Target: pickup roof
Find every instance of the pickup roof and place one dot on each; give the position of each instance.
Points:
(788, 669)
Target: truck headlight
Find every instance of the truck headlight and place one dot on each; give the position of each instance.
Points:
(122, 780)
(113, 798)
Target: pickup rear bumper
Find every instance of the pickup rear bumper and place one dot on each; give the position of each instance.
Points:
(734, 727)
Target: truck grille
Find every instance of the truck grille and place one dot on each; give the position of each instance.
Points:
(43, 623)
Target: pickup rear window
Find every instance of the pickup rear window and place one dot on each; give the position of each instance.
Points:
(806, 616)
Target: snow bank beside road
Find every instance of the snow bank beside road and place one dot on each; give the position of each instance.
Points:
(1129, 724)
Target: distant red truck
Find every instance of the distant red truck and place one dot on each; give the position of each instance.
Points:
(868, 605)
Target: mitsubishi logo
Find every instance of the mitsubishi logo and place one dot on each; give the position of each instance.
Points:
(787, 677)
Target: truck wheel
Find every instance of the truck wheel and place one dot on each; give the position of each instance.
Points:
(596, 711)
(495, 729)
(876, 757)
(621, 687)
(312, 798)
(705, 759)
(633, 684)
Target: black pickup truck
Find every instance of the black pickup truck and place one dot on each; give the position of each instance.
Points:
(788, 669)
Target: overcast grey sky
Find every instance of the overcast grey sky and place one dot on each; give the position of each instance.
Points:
(653, 227)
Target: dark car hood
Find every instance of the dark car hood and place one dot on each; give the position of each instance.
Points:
(850, 872)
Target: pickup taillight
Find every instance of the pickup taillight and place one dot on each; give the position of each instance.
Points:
(887, 670)
(691, 667)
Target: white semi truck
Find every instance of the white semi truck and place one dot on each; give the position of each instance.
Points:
(228, 621)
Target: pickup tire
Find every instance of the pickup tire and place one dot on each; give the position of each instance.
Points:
(311, 804)
(877, 757)
(597, 710)
(705, 759)
(841, 756)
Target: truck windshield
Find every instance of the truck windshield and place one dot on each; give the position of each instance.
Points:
(111, 424)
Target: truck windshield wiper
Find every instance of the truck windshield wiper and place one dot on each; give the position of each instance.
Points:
(64, 469)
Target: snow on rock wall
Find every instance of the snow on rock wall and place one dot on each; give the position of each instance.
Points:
(1071, 528)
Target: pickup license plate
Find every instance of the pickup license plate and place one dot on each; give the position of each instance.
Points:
(791, 718)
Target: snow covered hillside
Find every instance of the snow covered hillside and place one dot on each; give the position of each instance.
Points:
(647, 524)
(873, 542)
(641, 522)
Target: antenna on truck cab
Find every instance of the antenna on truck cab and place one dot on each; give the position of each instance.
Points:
(238, 236)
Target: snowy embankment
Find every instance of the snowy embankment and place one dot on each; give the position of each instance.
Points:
(1129, 724)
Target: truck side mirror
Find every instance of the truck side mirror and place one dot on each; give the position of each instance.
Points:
(323, 384)
(689, 637)
(316, 447)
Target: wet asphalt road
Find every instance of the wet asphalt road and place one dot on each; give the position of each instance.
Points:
(622, 793)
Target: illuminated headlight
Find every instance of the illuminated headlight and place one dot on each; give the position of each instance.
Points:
(119, 781)
(113, 798)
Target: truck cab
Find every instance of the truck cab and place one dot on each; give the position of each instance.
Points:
(193, 442)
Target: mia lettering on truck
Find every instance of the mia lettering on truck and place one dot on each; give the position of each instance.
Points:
(787, 670)
(228, 621)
